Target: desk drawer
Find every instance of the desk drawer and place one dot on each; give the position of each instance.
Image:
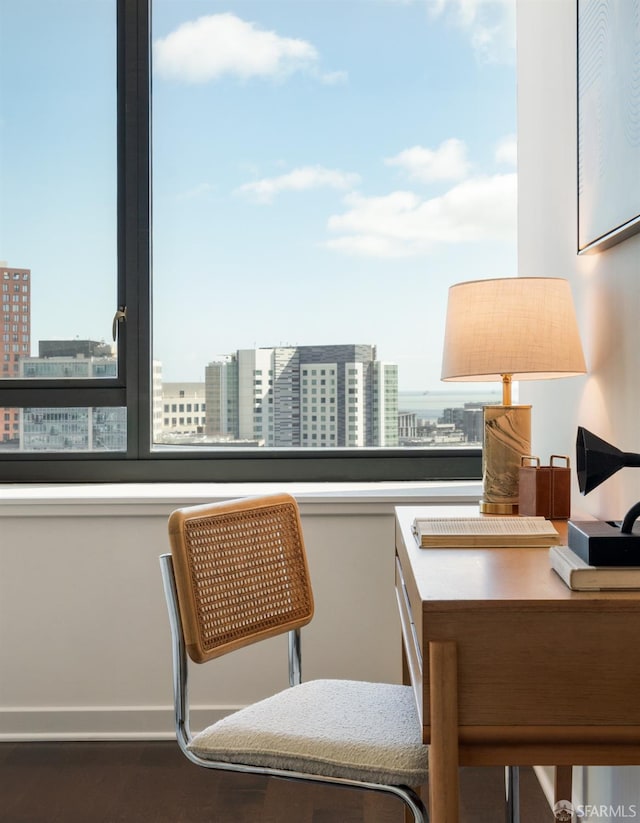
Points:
(410, 638)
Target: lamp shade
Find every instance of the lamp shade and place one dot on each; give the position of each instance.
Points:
(520, 326)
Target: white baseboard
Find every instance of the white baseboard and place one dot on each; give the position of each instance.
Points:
(100, 722)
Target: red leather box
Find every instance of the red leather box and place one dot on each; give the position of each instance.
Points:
(545, 491)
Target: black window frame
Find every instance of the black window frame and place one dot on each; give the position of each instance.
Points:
(132, 387)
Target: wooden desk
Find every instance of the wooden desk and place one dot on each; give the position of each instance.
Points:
(508, 665)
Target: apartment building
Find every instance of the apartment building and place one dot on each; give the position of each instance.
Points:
(183, 410)
(15, 337)
(304, 396)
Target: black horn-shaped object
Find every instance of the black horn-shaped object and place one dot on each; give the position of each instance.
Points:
(596, 460)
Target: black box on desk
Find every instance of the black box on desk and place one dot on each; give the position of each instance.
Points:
(601, 543)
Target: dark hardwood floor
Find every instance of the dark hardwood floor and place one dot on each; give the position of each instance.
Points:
(112, 782)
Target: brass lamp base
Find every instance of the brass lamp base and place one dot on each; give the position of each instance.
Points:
(498, 508)
(507, 436)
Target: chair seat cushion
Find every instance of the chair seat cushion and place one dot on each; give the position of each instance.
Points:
(336, 728)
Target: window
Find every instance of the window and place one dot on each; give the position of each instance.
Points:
(306, 225)
(68, 232)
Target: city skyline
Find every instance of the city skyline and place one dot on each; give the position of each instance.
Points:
(322, 195)
(283, 397)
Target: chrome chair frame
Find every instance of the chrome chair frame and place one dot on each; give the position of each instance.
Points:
(181, 707)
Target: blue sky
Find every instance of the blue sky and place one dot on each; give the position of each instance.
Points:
(323, 170)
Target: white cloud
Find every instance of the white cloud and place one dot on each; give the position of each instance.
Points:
(507, 150)
(447, 162)
(223, 44)
(489, 23)
(300, 179)
(402, 224)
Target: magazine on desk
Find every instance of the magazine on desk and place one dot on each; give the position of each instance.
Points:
(580, 576)
(485, 532)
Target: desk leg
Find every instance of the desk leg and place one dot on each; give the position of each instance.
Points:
(443, 749)
(563, 783)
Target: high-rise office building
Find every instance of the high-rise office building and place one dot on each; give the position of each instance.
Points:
(384, 407)
(221, 398)
(303, 396)
(15, 337)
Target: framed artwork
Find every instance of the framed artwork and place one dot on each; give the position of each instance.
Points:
(608, 122)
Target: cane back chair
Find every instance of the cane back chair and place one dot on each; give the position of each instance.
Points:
(237, 574)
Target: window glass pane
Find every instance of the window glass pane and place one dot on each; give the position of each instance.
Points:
(63, 430)
(58, 185)
(323, 172)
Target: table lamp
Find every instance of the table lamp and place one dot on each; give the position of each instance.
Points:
(512, 328)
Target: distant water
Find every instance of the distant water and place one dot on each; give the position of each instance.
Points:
(429, 405)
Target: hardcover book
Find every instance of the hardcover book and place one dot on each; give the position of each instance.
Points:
(580, 576)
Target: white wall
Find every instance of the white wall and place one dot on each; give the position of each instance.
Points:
(84, 634)
(606, 289)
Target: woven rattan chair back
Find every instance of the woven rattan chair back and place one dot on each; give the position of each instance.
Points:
(241, 573)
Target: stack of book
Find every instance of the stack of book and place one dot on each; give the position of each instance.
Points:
(484, 532)
(580, 576)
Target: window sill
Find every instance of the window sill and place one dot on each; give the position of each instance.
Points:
(159, 499)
